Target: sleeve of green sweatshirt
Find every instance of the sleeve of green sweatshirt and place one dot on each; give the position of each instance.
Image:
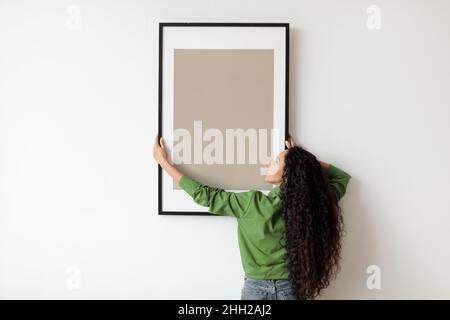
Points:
(338, 179)
(217, 200)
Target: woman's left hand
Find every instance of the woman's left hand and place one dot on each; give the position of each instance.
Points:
(159, 150)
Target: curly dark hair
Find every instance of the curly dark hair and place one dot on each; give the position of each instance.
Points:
(313, 223)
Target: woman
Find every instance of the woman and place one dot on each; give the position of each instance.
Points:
(289, 239)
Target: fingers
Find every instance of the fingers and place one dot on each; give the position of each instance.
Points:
(287, 144)
(290, 142)
(159, 143)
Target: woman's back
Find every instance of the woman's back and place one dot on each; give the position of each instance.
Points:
(260, 222)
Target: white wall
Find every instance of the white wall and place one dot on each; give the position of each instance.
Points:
(78, 192)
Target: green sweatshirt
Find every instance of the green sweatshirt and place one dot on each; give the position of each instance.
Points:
(260, 222)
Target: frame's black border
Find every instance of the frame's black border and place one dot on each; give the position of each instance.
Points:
(211, 24)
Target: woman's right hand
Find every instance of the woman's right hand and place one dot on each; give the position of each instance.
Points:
(290, 142)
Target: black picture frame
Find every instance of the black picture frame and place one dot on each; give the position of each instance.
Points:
(163, 25)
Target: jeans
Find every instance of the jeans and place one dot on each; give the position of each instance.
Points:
(267, 289)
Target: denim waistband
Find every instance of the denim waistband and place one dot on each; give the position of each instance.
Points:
(268, 283)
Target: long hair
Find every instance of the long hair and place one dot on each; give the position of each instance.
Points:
(313, 223)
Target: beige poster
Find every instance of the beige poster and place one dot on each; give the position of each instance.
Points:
(216, 90)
